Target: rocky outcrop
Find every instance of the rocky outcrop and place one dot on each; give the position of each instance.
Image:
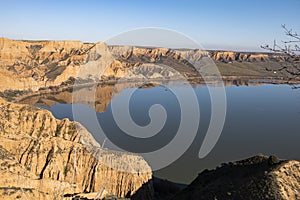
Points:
(45, 158)
(226, 56)
(32, 65)
(258, 177)
(35, 64)
(155, 54)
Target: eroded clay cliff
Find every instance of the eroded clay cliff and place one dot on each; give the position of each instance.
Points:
(45, 158)
(32, 65)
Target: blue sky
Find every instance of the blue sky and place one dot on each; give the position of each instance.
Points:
(215, 24)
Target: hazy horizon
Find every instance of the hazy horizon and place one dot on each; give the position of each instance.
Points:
(260, 50)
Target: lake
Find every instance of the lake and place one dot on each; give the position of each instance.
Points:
(260, 118)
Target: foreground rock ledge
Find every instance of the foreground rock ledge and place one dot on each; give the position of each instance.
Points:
(45, 158)
(256, 178)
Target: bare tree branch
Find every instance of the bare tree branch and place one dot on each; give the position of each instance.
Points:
(290, 52)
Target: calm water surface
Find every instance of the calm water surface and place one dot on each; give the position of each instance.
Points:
(260, 119)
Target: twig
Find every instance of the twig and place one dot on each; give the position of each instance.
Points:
(103, 143)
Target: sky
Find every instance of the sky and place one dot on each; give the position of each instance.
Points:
(214, 24)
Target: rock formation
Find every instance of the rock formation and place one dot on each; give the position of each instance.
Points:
(31, 65)
(45, 158)
(259, 177)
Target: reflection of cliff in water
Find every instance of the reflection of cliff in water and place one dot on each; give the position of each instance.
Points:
(105, 92)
